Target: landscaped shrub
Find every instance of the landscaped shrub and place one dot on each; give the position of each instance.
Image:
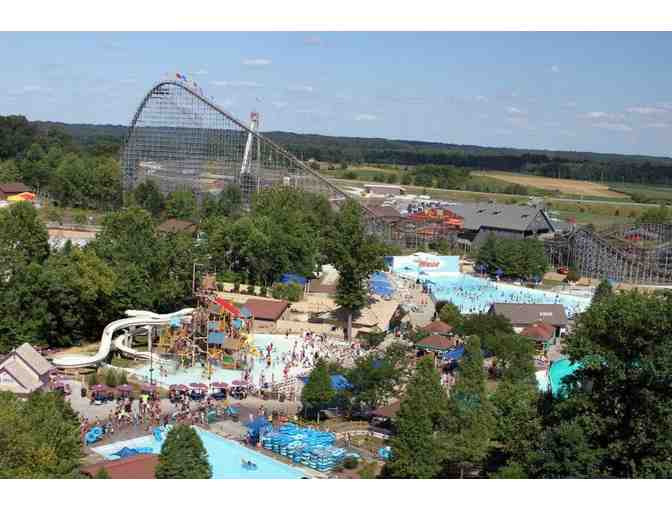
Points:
(350, 462)
(111, 377)
(290, 291)
(92, 379)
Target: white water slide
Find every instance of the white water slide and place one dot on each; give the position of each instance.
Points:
(137, 318)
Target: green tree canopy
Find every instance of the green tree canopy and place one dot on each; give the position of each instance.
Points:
(356, 255)
(181, 204)
(317, 393)
(470, 421)
(417, 449)
(450, 314)
(621, 394)
(603, 291)
(183, 455)
(39, 437)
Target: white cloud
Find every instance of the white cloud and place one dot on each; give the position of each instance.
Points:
(279, 104)
(313, 40)
(200, 72)
(257, 62)
(645, 110)
(365, 116)
(513, 110)
(301, 88)
(248, 84)
(613, 126)
(603, 115)
(555, 68)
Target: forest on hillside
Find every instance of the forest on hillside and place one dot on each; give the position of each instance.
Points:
(107, 139)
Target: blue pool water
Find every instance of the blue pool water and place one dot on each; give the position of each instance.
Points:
(558, 371)
(475, 295)
(224, 456)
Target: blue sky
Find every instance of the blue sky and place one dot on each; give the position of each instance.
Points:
(605, 92)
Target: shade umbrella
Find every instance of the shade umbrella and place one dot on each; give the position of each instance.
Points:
(125, 388)
(199, 386)
(151, 388)
(126, 452)
(99, 387)
(238, 383)
(178, 387)
(58, 384)
(219, 385)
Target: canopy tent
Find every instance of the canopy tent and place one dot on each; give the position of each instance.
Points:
(454, 355)
(293, 278)
(338, 382)
(245, 312)
(26, 196)
(228, 306)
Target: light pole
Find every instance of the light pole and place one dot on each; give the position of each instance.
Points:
(151, 356)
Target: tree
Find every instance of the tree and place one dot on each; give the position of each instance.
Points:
(470, 421)
(417, 451)
(356, 255)
(230, 200)
(77, 287)
(487, 327)
(376, 378)
(621, 393)
(317, 393)
(148, 196)
(183, 455)
(102, 473)
(661, 214)
(23, 237)
(603, 291)
(450, 314)
(39, 437)
(181, 204)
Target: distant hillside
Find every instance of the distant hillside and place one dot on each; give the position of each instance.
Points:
(338, 149)
(88, 133)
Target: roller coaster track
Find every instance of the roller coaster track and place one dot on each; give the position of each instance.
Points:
(610, 254)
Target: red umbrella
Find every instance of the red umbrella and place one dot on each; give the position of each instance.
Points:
(200, 386)
(125, 387)
(178, 387)
(219, 385)
(238, 383)
(99, 387)
(58, 384)
(148, 387)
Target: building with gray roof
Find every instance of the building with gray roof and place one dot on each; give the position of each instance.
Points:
(482, 219)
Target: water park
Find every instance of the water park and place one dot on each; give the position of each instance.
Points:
(443, 280)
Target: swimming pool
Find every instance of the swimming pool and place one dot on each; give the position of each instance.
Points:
(558, 371)
(475, 295)
(224, 456)
(281, 345)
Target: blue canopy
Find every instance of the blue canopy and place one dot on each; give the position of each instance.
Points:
(293, 278)
(338, 382)
(245, 312)
(126, 452)
(258, 425)
(454, 355)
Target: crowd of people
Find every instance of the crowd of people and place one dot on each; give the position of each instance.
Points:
(147, 412)
(299, 359)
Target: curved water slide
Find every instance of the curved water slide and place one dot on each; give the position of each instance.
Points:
(137, 318)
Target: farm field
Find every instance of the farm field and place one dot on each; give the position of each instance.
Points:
(644, 192)
(565, 186)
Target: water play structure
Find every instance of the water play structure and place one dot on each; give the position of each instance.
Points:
(123, 342)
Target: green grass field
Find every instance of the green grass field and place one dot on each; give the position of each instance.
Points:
(644, 192)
